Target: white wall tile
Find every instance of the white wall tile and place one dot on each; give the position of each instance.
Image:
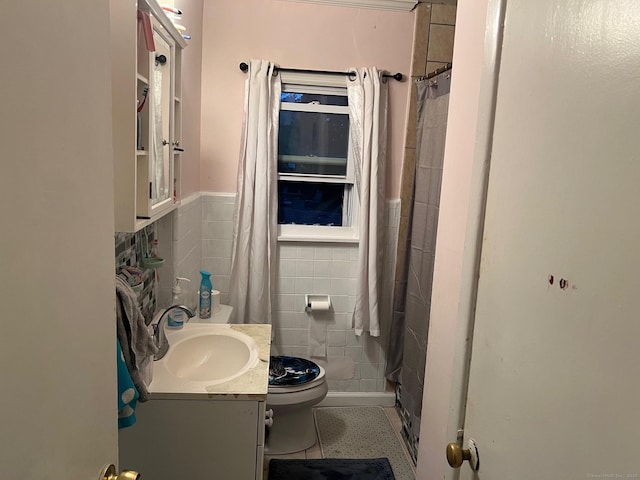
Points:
(322, 268)
(303, 285)
(216, 247)
(368, 385)
(286, 285)
(323, 253)
(342, 286)
(287, 268)
(285, 303)
(321, 286)
(337, 338)
(343, 268)
(355, 352)
(287, 251)
(304, 268)
(353, 340)
(292, 336)
(335, 351)
(369, 370)
(343, 320)
(203, 239)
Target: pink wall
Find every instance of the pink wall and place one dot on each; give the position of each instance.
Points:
(191, 95)
(295, 35)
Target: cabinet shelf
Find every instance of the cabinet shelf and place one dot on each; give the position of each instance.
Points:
(142, 78)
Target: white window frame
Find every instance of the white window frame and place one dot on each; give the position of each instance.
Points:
(322, 84)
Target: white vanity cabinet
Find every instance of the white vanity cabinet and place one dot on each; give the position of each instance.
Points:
(147, 150)
(195, 439)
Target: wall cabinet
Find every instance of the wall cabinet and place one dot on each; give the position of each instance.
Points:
(147, 149)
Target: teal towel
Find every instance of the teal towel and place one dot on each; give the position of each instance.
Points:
(127, 393)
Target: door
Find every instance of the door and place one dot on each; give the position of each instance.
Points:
(161, 66)
(554, 378)
(57, 342)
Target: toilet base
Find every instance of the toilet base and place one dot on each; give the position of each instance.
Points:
(293, 430)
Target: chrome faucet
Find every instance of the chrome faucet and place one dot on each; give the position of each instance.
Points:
(159, 337)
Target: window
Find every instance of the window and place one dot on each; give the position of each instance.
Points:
(316, 194)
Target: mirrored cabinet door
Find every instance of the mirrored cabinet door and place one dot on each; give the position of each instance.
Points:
(161, 171)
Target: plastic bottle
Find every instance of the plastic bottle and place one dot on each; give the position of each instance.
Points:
(176, 317)
(204, 302)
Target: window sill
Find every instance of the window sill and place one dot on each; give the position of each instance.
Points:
(315, 234)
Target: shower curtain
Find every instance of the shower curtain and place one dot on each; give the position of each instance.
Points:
(407, 349)
(408, 337)
(368, 132)
(253, 260)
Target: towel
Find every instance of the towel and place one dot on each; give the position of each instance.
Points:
(127, 393)
(138, 347)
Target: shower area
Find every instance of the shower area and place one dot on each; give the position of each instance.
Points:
(422, 177)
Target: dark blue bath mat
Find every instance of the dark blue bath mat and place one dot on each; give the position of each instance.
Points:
(331, 469)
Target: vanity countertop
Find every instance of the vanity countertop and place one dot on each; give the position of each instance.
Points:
(251, 385)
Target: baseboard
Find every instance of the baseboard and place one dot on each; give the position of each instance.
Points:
(358, 399)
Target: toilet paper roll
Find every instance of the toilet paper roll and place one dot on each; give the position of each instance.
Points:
(215, 301)
(317, 303)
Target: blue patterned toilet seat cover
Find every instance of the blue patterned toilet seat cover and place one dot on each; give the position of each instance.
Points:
(291, 370)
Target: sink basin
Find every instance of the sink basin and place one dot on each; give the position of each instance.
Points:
(210, 357)
(201, 355)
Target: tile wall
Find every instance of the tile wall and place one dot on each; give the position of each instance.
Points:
(354, 364)
(130, 249)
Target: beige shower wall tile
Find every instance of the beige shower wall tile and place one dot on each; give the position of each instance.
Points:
(408, 172)
(421, 39)
(412, 120)
(443, 14)
(441, 43)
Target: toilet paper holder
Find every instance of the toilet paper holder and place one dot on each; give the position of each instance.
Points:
(320, 303)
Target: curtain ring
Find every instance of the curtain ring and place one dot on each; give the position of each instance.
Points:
(352, 76)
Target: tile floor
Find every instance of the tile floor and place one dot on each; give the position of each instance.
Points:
(314, 452)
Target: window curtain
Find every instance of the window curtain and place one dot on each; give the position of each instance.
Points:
(253, 260)
(368, 134)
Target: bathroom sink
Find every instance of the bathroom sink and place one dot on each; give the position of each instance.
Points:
(203, 355)
(210, 357)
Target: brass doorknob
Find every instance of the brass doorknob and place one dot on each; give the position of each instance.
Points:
(456, 455)
(109, 473)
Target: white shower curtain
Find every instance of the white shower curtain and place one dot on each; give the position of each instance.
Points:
(255, 218)
(368, 132)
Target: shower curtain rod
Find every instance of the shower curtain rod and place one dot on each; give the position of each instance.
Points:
(436, 72)
(244, 67)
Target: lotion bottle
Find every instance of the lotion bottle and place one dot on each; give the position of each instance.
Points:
(204, 301)
(178, 317)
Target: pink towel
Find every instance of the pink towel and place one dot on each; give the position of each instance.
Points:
(145, 21)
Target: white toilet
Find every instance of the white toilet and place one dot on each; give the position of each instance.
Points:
(293, 427)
